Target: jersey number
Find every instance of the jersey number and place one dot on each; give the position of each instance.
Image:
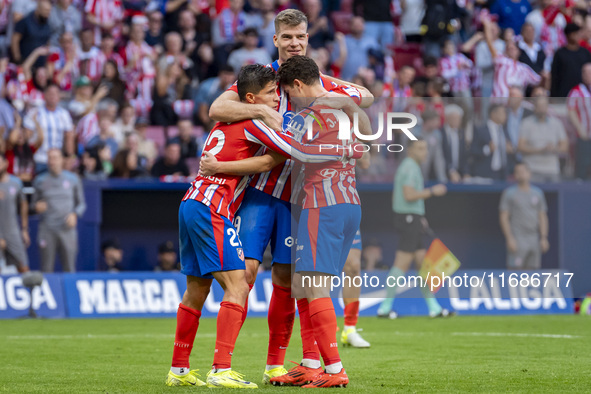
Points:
(233, 237)
(221, 140)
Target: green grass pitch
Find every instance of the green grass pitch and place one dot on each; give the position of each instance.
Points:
(483, 354)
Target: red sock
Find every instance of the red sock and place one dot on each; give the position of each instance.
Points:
(309, 344)
(351, 313)
(324, 321)
(246, 306)
(228, 326)
(187, 322)
(280, 319)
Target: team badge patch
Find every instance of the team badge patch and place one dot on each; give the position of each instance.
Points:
(240, 254)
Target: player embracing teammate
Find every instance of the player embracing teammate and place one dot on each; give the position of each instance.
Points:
(209, 244)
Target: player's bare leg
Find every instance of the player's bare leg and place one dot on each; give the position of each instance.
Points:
(351, 294)
(188, 316)
(402, 263)
(252, 269)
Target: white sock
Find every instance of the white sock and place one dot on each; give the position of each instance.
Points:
(309, 363)
(334, 368)
(270, 367)
(348, 327)
(221, 370)
(179, 371)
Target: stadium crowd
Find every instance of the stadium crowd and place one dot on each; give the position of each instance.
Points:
(123, 88)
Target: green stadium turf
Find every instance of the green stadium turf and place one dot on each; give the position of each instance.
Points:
(484, 354)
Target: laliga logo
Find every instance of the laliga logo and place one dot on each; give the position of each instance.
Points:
(328, 172)
(345, 125)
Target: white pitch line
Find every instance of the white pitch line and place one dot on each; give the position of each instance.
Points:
(511, 334)
(110, 336)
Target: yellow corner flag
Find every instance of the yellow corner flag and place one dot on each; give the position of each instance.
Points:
(439, 261)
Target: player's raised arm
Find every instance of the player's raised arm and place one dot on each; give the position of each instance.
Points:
(209, 165)
(228, 108)
(367, 98)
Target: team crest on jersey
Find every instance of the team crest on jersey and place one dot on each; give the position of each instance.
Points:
(287, 117)
(240, 253)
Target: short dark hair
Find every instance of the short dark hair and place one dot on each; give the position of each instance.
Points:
(298, 67)
(291, 18)
(253, 78)
(51, 85)
(251, 30)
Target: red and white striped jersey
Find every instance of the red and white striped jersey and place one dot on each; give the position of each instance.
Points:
(24, 92)
(241, 140)
(579, 100)
(105, 11)
(95, 70)
(456, 70)
(278, 181)
(509, 72)
(58, 58)
(331, 183)
(87, 128)
(90, 64)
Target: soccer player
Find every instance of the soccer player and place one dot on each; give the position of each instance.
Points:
(209, 244)
(13, 241)
(329, 220)
(409, 211)
(265, 214)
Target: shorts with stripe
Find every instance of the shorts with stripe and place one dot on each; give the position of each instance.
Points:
(208, 241)
(357, 241)
(325, 236)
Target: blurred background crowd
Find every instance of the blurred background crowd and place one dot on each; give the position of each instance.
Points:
(122, 88)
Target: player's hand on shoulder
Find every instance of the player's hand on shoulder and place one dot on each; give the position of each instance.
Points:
(272, 118)
(334, 100)
(208, 165)
(439, 190)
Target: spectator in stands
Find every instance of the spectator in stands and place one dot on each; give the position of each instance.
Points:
(186, 139)
(542, 140)
(454, 144)
(548, 18)
(568, 62)
(517, 110)
(250, 53)
(113, 82)
(378, 20)
(196, 42)
(124, 124)
(63, 63)
(59, 199)
(146, 147)
(524, 222)
(125, 165)
(85, 101)
(511, 13)
(132, 142)
(88, 126)
(359, 44)
(105, 135)
(434, 166)
(484, 61)
(14, 239)
(226, 28)
(579, 113)
(22, 8)
(57, 126)
(20, 148)
(64, 17)
(456, 69)
(508, 70)
(489, 146)
(172, 84)
(91, 166)
(173, 45)
(320, 29)
(112, 256)
(209, 90)
(170, 163)
(440, 23)
(155, 35)
(167, 258)
(31, 32)
(410, 20)
(532, 53)
(105, 16)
